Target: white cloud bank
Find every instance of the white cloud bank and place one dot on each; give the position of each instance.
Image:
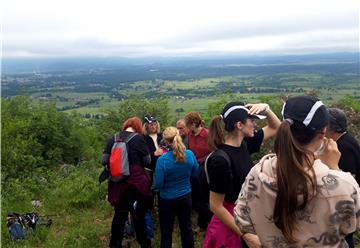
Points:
(136, 28)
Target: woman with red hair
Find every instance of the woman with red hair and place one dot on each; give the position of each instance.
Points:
(134, 123)
(133, 194)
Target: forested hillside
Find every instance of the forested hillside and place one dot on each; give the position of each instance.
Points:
(54, 157)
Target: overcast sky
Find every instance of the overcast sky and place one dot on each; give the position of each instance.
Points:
(137, 28)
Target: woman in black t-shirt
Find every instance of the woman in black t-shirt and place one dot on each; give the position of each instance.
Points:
(153, 138)
(134, 193)
(239, 140)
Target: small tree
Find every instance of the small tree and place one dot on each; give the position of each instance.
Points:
(134, 106)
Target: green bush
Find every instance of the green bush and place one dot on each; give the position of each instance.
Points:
(350, 102)
(36, 135)
(135, 106)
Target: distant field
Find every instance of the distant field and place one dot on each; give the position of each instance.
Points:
(200, 103)
(195, 104)
(189, 87)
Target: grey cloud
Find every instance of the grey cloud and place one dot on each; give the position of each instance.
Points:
(81, 47)
(269, 27)
(316, 34)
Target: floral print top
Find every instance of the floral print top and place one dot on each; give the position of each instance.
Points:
(331, 214)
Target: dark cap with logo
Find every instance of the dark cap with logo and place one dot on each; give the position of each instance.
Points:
(308, 110)
(150, 119)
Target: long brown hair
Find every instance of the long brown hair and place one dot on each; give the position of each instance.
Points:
(171, 135)
(216, 133)
(293, 178)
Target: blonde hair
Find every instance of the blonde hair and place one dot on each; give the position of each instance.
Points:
(145, 128)
(171, 135)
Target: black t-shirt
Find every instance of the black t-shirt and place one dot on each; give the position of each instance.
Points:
(152, 148)
(350, 155)
(227, 182)
(137, 148)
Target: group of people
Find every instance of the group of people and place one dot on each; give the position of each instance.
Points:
(306, 194)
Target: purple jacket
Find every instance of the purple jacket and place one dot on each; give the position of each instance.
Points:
(138, 180)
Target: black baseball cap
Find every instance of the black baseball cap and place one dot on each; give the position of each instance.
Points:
(150, 119)
(308, 110)
(236, 111)
(338, 120)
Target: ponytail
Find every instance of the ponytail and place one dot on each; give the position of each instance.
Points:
(179, 149)
(216, 133)
(293, 162)
(171, 135)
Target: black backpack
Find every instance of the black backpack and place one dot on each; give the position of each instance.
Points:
(21, 225)
(203, 174)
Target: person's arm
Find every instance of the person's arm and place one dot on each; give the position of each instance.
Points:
(195, 165)
(242, 215)
(146, 160)
(348, 161)
(357, 207)
(273, 122)
(217, 207)
(159, 173)
(252, 240)
(105, 159)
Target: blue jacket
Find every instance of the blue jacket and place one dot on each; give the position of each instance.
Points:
(173, 179)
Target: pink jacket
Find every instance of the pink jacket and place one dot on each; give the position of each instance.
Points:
(329, 216)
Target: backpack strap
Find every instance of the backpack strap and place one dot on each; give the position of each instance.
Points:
(223, 154)
(205, 167)
(116, 138)
(220, 153)
(128, 138)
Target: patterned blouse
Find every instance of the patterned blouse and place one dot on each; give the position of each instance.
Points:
(331, 214)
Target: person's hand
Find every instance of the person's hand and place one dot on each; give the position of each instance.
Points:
(257, 108)
(330, 155)
(252, 240)
(158, 152)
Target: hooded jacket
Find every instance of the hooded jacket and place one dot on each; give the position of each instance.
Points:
(330, 214)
